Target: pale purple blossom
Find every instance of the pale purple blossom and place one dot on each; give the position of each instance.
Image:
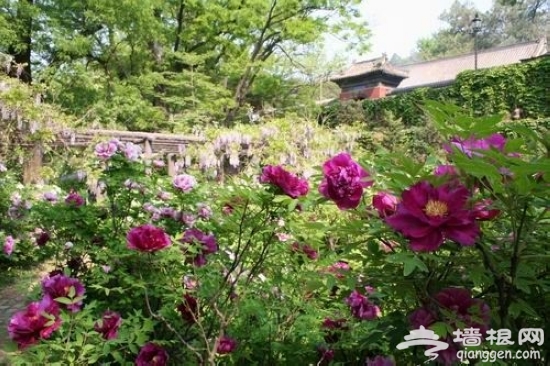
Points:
(104, 150)
(131, 151)
(3, 168)
(163, 195)
(157, 163)
(50, 196)
(188, 219)
(185, 182)
(204, 211)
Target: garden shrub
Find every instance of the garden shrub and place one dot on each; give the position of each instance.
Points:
(274, 268)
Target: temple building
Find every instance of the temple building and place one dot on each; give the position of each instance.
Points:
(377, 78)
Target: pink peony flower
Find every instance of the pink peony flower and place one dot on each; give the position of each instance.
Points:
(472, 144)
(339, 268)
(442, 170)
(38, 321)
(428, 215)
(326, 354)
(305, 249)
(152, 355)
(74, 199)
(344, 181)
(164, 196)
(380, 361)
(108, 325)
(159, 163)
(59, 286)
(147, 238)
(385, 203)
(226, 345)
(185, 182)
(9, 245)
(483, 212)
(207, 245)
(285, 181)
(361, 307)
(104, 150)
(190, 282)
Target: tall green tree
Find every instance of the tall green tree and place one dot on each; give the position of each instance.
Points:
(155, 64)
(507, 22)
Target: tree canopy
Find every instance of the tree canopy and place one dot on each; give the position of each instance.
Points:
(155, 64)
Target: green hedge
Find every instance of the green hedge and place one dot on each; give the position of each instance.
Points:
(487, 91)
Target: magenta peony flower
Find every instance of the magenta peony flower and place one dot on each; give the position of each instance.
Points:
(385, 203)
(442, 170)
(42, 237)
(185, 182)
(147, 238)
(74, 199)
(108, 325)
(305, 249)
(380, 361)
(361, 307)
(9, 245)
(152, 355)
(189, 309)
(344, 181)
(326, 354)
(226, 345)
(333, 328)
(59, 286)
(38, 321)
(104, 150)
(285, 181)
(465, 312)
(464, 308)
(428, 215)
(470, 145)
(483, 212)
(207, 244)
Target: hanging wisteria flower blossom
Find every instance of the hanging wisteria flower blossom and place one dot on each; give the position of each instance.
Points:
(428, 215)
(104, 150)
(185, 182)
(344, 181)
(285, 181)
(147, 238)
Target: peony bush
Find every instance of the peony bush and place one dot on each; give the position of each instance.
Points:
(281, 267)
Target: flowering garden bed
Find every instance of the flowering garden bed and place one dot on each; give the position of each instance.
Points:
(277, 269)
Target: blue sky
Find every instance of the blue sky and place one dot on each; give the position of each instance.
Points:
(397, 25)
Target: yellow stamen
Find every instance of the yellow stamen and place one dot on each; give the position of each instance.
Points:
(436, 208)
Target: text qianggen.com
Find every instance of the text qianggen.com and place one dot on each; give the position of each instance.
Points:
(492, 356)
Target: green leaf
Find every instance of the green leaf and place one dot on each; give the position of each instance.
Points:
(64, 300)
(72, 292)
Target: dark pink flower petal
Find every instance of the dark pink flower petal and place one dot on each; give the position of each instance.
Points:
(147, 238)
(152, 355)
(285, 181)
